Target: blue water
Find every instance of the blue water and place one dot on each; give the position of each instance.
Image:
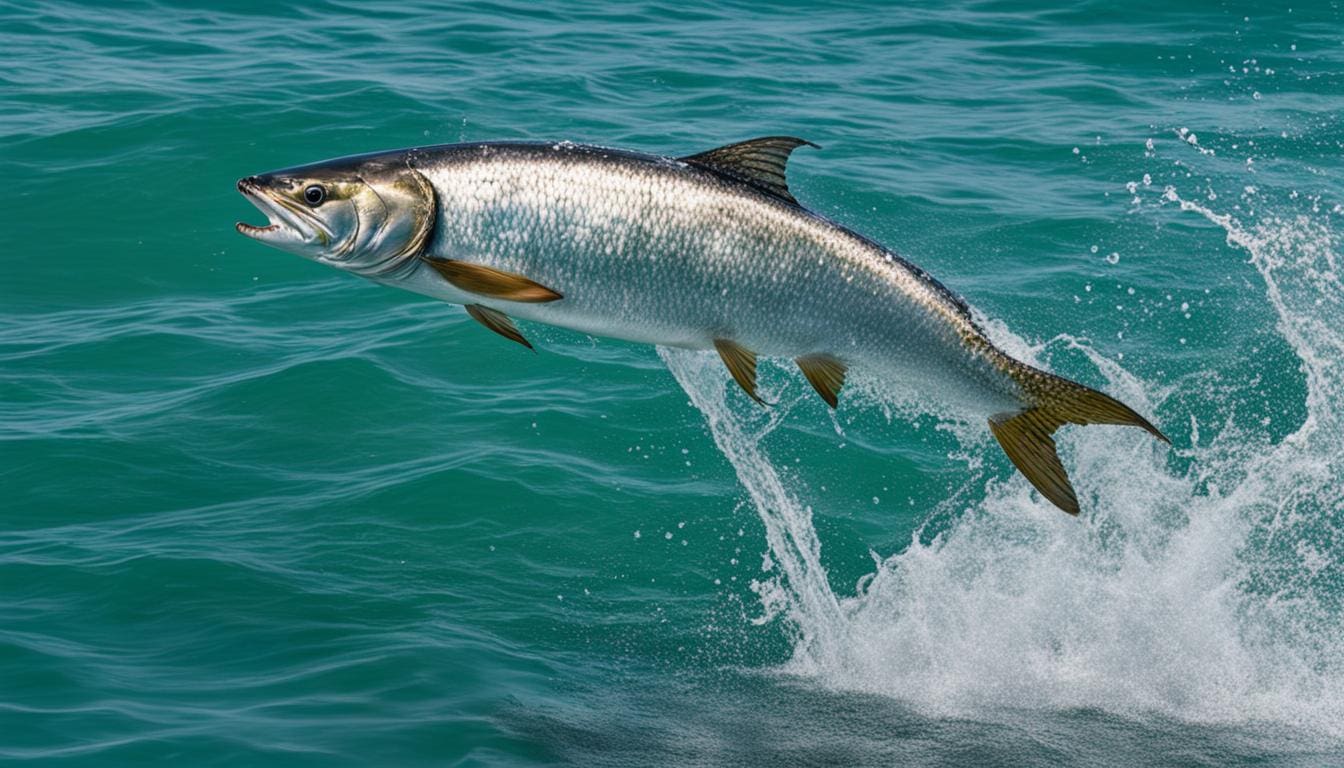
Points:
(258, 512)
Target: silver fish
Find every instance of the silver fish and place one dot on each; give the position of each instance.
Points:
(709, 251)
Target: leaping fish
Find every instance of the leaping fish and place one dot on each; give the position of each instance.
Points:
(708, 251)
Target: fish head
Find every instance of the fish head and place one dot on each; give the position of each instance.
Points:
(368, 215)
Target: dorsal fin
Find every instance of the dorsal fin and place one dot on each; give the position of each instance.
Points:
(759, 162)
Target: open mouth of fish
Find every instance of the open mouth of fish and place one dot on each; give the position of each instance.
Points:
(285, 223)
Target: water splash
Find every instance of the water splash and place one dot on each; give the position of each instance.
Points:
(1209, 596)
(800, 590)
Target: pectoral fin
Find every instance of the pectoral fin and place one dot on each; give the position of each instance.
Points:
(825, 374)
(741, 364)
(498, 322)
(1025, 437)
(495, 283)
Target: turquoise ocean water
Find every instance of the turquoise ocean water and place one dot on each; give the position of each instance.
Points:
(258, 512)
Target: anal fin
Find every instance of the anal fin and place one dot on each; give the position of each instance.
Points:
(825, 374)
(1025, 437)
(498, 322)
(495, 283)
(741, 364)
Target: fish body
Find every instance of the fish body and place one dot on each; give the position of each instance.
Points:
(709, 251)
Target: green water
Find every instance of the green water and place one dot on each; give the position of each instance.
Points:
(258, 512)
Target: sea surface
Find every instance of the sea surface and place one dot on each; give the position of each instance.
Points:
(257, 512)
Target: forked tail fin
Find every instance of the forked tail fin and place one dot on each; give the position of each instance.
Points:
(1025, 435)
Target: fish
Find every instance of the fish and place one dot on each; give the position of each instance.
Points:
(709, 251)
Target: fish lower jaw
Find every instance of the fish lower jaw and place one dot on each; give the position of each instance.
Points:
(250, 230)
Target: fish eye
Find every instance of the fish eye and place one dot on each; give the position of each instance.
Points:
(314, 194)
